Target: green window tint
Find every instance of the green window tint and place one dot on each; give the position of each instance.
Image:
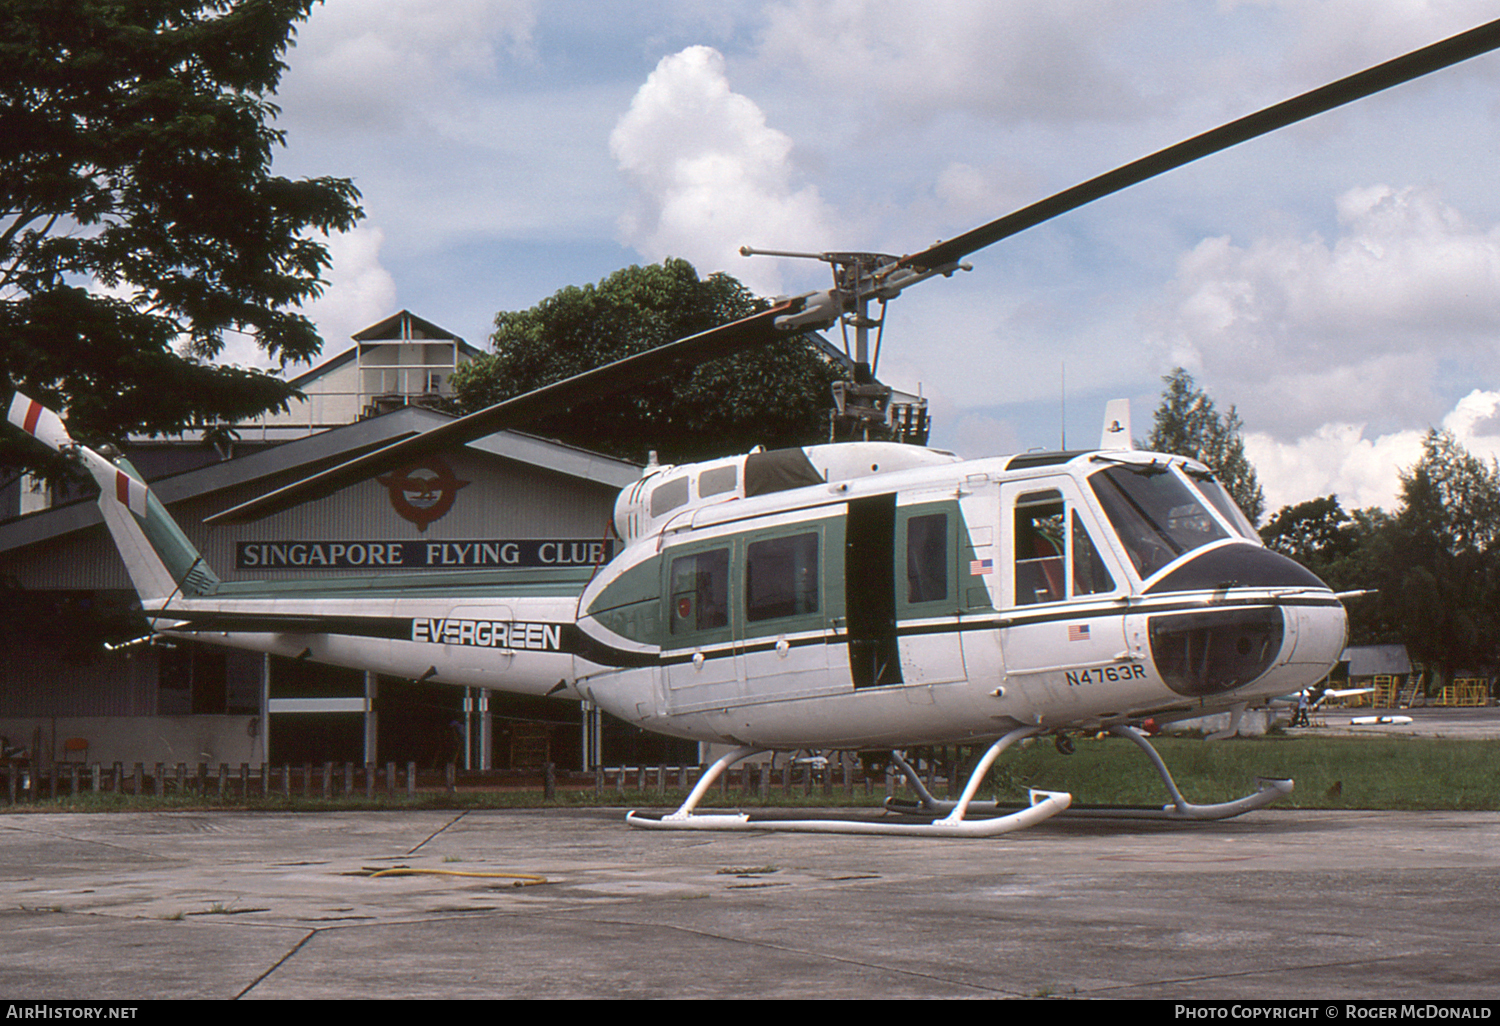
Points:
(781, 577)
(700, 591)
(927, 558)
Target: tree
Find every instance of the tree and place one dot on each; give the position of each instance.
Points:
(775, 396)
(1443, 581)
(1317, 533)
(1187, 424)
(1348, 552)
(139, 219)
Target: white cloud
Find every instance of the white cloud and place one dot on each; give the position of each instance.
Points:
(1337, 459)
(1011, 60)
(365, 65)
(359, 292)
(1302, 332)
(1333, 37)
(1334, 460)
(710, 175)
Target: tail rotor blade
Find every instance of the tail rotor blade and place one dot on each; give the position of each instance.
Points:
(39, 422)
(47, 427)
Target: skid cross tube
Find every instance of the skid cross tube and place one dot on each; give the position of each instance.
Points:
(1044, 805)
(1268, 789)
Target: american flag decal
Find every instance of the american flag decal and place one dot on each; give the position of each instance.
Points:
(1078, 632)
(981, 566)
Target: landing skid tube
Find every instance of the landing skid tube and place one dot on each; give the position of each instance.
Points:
(1267, 791)
(1044, 804)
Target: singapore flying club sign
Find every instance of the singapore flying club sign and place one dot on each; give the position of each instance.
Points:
(383, 556)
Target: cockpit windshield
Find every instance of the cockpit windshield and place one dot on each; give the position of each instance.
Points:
(1155, 514)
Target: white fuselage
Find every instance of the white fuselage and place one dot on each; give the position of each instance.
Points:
(947, 601)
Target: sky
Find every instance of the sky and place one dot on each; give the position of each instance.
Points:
(1337, 283)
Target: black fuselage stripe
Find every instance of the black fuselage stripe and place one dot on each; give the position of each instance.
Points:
(576, 641)
(391, 627)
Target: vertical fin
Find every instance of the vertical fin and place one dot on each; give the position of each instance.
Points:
(158, 556)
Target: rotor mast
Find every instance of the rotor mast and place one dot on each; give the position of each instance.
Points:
(863, 403)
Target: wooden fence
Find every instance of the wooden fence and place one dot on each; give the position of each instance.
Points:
(26, 782)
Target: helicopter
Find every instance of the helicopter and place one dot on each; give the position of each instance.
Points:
(864, 595)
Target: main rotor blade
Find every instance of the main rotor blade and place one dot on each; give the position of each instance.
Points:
(610, 379)
(1346, 90)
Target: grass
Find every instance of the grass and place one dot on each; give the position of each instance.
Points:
(1331, 773)
(1370, 773)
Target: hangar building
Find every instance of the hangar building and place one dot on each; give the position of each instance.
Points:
(74, 685)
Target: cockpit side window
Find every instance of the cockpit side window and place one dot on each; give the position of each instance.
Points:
(1090, 575)
(1055, 557)
(1156, 516)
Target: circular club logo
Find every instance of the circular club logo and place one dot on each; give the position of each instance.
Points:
(423, 492)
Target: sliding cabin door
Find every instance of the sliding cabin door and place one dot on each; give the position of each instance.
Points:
(928, 579)
(701, 666)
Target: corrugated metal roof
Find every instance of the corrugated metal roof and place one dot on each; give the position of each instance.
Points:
(295, 458)
(1370, 660)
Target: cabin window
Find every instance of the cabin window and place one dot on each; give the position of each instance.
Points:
(927, 558)
(700, 591)
(669, 496)
(781, 577)
(1040, 548)
(718, 481)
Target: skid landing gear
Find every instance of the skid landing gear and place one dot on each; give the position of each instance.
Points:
(1267, 791)
(1044, 804)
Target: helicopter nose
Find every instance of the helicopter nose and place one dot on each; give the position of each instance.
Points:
(1210, 652)
(1237, 566)
(1283, 639)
